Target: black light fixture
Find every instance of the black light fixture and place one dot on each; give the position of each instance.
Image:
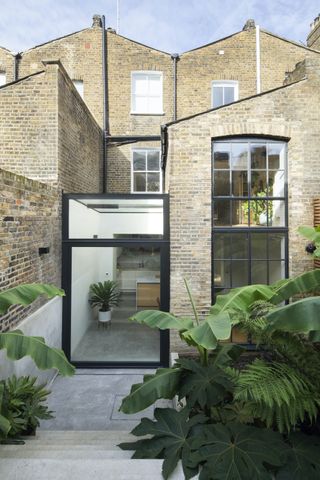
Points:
(44, 250)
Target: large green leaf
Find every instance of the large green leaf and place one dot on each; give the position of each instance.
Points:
(302, 460)
(311, 233)
(210, 330)
(205, 385)
(19, 345)
(304, 283)
(163, 384)
(237, 452)
(241, 298)
(162, 320)
(302, 316)
(172, 436)
(26, 294)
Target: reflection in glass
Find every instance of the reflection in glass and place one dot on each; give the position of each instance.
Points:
(228, 95)
(221, 155)
(221, 245)
(258, 213)
(275, 156)
(258, 156)
(239, 183)
(240, 213)
(276, 246)
(139, 160)
(222, 183)
(258, 183)
(259, 272)
(276, 183)
(153, 160)
(239, 273)
(222, 273)
(259, 245)
(221, 212)
(153, 182)
(139, 181)
(276, 213)
(277, 270)
(239, 245)
(239, 159)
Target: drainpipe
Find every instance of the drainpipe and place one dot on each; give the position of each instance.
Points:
(16, 59)
(105, 104)
(258, 65)
(175, 58)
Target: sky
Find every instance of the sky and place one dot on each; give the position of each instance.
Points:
(173, 26)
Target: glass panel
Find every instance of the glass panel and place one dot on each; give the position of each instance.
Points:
(277, 246)
(155, 105)
(258, 157)
(240, 213)
(222, 273)
(239, 183)
(276, 183)
(139, 182)
(217, 96)
(276, 156)
(258, 213)
(228, 95)
(153, 160)
(153, 182)
(276, 214)
(277, 271)
(155, 85)
(140, 84)
(239, 245)
(139, 160)
(100, 336)
(221, 212)
(222, 183)
(239, 159)
(221, 155)
(140, 104)
(259, 245)
(102, 217)
(239, 273)
(259, 272)
(221, 245)
(258, 183)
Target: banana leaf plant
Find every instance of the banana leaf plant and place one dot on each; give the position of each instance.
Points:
(223, 428)
(312, 234)
(18, 345)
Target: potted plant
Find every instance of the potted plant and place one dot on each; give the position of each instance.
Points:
(104, 295)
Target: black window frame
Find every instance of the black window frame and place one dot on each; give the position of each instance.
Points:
(249, 230)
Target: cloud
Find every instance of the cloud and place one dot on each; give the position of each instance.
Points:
(169, 25)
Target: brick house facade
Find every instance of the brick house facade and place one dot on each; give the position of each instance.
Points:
(273, 83)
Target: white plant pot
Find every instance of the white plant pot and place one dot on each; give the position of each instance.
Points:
(104, 316)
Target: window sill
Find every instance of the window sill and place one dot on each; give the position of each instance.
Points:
(148, 114)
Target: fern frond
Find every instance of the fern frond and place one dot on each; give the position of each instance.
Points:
(270, 384)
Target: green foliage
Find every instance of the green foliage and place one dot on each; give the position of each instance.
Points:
(22, 406)
(26, 294)
(104, 295)
(237, 452)
(206, 334)
(302, 461)
(19, 345)
(173, 433)
(162, 320)
(313, 234)
(163, 384)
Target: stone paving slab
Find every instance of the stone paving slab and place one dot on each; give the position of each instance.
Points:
(90, 400)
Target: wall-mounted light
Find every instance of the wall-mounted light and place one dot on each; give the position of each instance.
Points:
(44, 250)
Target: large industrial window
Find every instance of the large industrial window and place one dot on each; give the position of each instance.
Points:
(249, 213)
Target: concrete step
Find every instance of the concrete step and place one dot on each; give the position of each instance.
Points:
(75, 469)
(104, 438)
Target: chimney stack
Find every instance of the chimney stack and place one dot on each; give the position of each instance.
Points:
(313, 39)
(96, 21)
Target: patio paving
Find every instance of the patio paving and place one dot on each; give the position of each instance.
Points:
(90, 400)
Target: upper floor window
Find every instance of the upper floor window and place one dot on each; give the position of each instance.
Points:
(79, 86)
(146, 93)
(3, 79)
(146, 171)
(224, 92)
